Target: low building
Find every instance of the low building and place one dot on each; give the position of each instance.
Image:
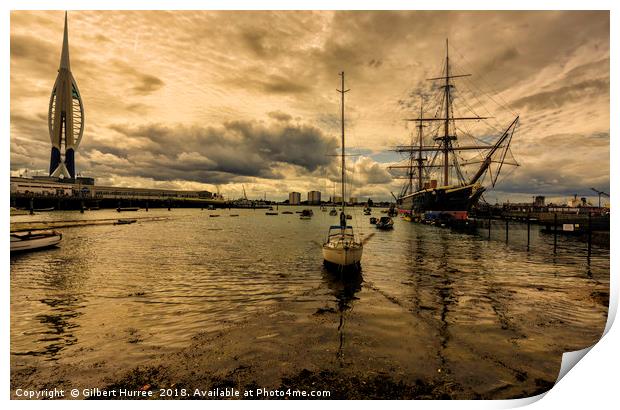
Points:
(294, 198)
(85, 188)
(314, 198)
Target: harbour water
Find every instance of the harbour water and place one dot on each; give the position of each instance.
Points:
(481, 317)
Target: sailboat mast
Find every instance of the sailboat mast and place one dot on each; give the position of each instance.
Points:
(342, 91)
(447, 120)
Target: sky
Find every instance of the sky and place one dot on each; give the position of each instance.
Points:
(222, 100)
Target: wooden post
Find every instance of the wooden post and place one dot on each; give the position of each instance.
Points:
(555, 232)
(589, 234)
(506, 230)
(82, 206)
(528, 231)
(31, 206)
(147, 206)
(489, 225)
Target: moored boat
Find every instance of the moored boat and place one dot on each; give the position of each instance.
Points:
(306, 214)
(385, 223)
(127, 209)
(342, 249)
(33, 240)
(125, 221)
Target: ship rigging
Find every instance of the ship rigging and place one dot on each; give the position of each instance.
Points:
(459, 191)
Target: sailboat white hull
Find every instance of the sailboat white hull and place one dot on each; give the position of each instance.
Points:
(342, 256)
(38, 240)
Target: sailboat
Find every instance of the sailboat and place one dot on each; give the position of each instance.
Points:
(449, 199)
(341, 248)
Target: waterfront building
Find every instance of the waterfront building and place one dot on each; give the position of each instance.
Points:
(65, 116)
(294, 198)
(86, 188)
(314, 198)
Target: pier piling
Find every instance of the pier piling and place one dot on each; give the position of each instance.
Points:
(528, 231)
(589, 234)
(555, 232)
(489, 226)
(506, 230)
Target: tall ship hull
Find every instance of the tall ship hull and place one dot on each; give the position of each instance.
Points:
(441, 199)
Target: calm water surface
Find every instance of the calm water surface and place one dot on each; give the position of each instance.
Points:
(127, 293)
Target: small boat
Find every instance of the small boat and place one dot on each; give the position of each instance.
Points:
(306, 214)
(271, 208)
(349, 216)
(323, 209)
(271, 213)
(407, 218)
(367, 211)
(298, 212)
(50, 209)
(127, 209)
(125, 221)
(385, 223)
(213, 216)
(373, 220)
(333, 212)
(234, 214)
(288, 212)
(29, 241)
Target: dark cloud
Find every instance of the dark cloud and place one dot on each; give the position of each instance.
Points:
(278, 84)
(143, 83)
(280, 116)
(237, 148)
(564, 95)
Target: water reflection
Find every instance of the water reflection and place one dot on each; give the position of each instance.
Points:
(344, 286)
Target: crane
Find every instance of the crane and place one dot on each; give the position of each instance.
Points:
(599, 195)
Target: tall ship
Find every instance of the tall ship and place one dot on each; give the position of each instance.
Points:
(440, 179)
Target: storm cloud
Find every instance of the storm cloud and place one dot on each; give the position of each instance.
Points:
(212, 154)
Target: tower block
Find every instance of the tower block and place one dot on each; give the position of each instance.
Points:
(65, 117)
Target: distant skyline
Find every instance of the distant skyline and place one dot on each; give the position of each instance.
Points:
(191, 100)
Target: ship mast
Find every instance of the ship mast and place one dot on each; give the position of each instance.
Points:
(342, 92)
(421, 136)
(446, 136)
(444, 143)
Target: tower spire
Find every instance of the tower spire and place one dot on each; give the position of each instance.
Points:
(65, 116)
(64, 57)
